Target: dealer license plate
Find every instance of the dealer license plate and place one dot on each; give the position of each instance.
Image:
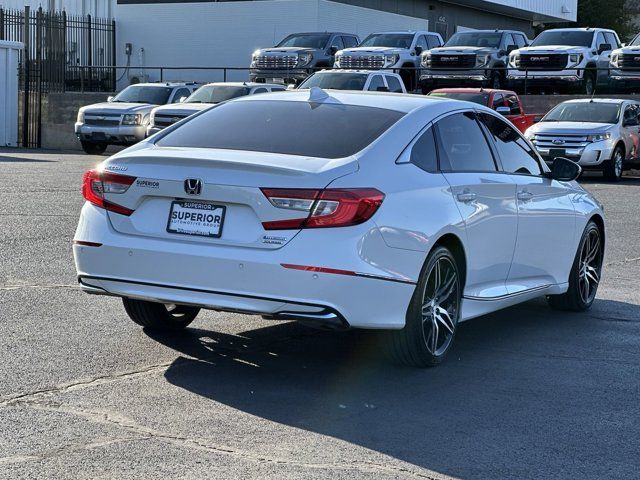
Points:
(196, 218)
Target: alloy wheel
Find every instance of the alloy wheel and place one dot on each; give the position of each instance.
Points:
(617, 163)
(440, 306)
(590, 266)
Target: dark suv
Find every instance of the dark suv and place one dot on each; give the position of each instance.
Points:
(298, 56)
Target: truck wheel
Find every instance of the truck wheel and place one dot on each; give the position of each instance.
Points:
(158, 316)
(409, 79)
(613, 168)
(496, 81)
(589, 83)
(93, 148)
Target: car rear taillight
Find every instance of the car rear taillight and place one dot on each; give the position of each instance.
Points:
(332, 207)
(96, 183)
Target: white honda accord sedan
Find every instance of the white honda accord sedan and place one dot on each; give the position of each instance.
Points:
(343, 209)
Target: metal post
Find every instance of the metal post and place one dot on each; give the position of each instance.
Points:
(89, 50)
(25, 102)
(224, 74)
(64, 51)
(1, 23)
(38, 68)
(113, 55)
(161, 74)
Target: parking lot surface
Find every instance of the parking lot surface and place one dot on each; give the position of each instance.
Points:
(84, 393)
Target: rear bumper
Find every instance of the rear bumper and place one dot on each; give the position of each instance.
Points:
(117, 135)
(237, 279)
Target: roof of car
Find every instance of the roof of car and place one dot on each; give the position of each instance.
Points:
(322, 33)
(583, 29)
(245, 84)
(391, 101)
(471, 90)
(404, 31)
(596, 100)
(165, 84)
(364, 72)
(492, 30)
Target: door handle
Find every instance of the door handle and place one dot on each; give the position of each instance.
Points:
(524, 195)
(466, 196)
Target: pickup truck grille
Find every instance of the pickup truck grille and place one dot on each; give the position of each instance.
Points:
(542, 140)
(544, 61)
(98, 120)
(629, 61)
(278, 62)
(167, 120)
(362, 61)
(443, 62)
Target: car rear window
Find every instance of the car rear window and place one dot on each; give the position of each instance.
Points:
(288, 127)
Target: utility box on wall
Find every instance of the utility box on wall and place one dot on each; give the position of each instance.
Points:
(9, 53)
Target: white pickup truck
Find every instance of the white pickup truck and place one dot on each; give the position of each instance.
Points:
(575, 59)
(396, 51)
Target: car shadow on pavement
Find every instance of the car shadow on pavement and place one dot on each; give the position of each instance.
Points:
(5, 159)
(525, 393)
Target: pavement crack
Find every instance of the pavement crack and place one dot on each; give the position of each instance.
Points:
(53, 285)
(142, 432)
(622, 262)
(25, 398)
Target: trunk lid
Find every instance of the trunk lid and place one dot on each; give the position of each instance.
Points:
(230, 183)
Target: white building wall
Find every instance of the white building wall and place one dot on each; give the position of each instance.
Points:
(226, 33)
(9, 93)
(96, 8)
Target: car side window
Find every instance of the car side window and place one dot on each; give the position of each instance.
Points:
(612, 40)
(376, 83)
(423, 153)
(394, 84)
(498, 101)
(181, 92)
(260, 90)
(422, 43)
(337, 43)
(433, 42)
(520, 40)
(515, 153)
(508, 40)
(631, 115)
(462, 146)
(513, 104)
(599, 40)
(350, 42)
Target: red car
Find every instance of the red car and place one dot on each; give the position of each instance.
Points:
(505, 102)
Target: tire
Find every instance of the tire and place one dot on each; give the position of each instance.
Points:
(496, 81)
(584, 277)
(93, 148)
(409, 79)
(589, 83)
(158, 316)
(429, 313)
(613, 167)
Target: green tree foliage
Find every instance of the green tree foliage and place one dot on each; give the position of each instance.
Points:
(618, 15)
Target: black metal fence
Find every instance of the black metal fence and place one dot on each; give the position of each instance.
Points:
(55, 44)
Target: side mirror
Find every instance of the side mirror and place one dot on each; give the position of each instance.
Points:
(418, 50)
(110, 98)
(564, 170)
(511, 48)
(623, 44)
(382, 89)
(182, 99)
(604, 47)
(333, 50)
(503, 110)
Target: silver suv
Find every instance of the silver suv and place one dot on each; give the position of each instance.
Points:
(123, 119)
(210, 94)
(397, 51)
(475, 58)
(599, 134)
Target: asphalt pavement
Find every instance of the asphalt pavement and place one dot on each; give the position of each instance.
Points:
(84, 393)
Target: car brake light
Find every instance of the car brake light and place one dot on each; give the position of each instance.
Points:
(96, 183)
(332, 207)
